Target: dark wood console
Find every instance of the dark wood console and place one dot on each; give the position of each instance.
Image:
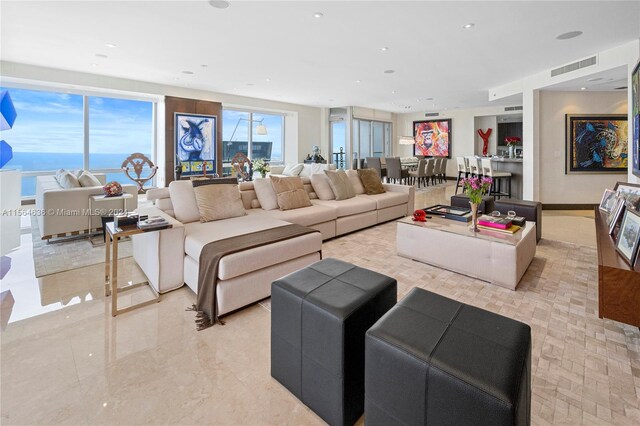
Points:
(618, 282)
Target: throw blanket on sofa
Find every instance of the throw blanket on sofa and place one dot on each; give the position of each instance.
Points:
(206, 304)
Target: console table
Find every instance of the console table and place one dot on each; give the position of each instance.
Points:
(618, 282)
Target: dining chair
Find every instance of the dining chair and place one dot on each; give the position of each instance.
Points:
(443, 170)
(419, 173)
(395, 171)
(375, 163)
(430, 171)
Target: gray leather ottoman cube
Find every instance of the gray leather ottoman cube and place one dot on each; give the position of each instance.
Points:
(319, 316)
(432, 360)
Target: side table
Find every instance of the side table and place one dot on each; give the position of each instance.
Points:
(96, 199)
(111, 268)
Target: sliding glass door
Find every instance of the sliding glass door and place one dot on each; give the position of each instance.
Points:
(371, 139)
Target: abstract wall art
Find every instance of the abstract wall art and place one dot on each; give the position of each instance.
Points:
(433, 138)
(596, 143)
(195, 142)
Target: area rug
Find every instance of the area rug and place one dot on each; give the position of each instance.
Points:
(68, 255)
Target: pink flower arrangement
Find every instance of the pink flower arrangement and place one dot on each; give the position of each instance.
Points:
(475, 188)
(512, 140)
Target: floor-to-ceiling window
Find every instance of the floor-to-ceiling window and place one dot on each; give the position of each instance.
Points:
(258, 135)
(371, 139)
(49, 133)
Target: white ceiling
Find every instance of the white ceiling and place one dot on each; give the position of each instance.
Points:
(315, 61)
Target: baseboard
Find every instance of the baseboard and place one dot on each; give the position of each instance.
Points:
(568, 206)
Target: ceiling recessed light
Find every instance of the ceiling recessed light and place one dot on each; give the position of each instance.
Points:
(101, 55)
(358, 81)
(187, 72)
(393, 92)
(384, 49)
(318, 15)
(583, 88)
(570, 34)
(204, 65)
(219, 4)
(250, 84)
(389, 71)
(94, 65)
(111, 45)
(176, 78)
(468, 26)
(267, 79)
(429, 99)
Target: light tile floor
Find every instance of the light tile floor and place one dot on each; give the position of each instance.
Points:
(64, 359)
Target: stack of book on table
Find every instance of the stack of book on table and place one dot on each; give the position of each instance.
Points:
(153, 222)
(500, 224)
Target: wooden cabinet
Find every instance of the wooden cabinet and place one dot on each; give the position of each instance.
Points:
(618, 282)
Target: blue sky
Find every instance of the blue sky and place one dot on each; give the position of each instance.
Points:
(49, 122)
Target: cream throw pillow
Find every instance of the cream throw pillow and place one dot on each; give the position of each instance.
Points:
(217, 200)
(292, 169)
(340, 184)
(321, 186)
(87, 179)
(356, 183)
(68, 180)
(266, 194)
(290, 192)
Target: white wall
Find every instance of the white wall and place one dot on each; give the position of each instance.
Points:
(555, 186)
(302, 123)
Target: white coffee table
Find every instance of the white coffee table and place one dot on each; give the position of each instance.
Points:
(498, 258)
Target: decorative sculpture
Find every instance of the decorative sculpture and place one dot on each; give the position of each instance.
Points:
(138, 160)
(238, 163)
(485, 140)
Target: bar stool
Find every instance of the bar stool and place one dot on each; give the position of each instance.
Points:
(463, 169)
(475, 167)
(487, 170)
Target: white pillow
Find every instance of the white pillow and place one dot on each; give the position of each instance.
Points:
(266, 194)
(67, 180)
(292, 169)
(321, 187)
(356, 183)
(88, 179)
(306, 170)
(183, 199)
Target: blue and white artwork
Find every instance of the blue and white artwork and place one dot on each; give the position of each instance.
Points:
(195, 141)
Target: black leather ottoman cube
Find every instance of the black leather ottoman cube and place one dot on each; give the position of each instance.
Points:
(432, 360)
(319, 316)
(462, 200)
(530, 210)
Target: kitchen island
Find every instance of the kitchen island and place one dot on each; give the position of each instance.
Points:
(513, 166)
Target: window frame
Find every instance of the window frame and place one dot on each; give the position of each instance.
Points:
(251, 122)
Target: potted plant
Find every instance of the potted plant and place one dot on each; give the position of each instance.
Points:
(262, 167)
(475, 188)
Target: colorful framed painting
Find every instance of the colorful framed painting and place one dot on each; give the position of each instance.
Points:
(195, 142)
(608, 201)
(596, 143)
(635, 116)
(629, 236)
(432, 138)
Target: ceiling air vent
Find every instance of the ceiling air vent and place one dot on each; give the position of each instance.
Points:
(574, 66)
(431, 114)
(513, 108)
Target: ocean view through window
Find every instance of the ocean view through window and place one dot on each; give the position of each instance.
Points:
(49, 133)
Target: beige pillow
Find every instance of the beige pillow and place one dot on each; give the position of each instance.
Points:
(266, 194)
(88, 179)
(321, 186)
(217, 200)
(340, 184)
(290, 192)
(371, 181)
(67, 180)
(356, 183)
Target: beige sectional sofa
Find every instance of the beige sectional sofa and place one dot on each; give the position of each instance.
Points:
(170, 257)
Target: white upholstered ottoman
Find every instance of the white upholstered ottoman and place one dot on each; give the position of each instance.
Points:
(498, 258)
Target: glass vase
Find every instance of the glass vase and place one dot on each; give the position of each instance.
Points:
(474, 216)
(512, 151)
